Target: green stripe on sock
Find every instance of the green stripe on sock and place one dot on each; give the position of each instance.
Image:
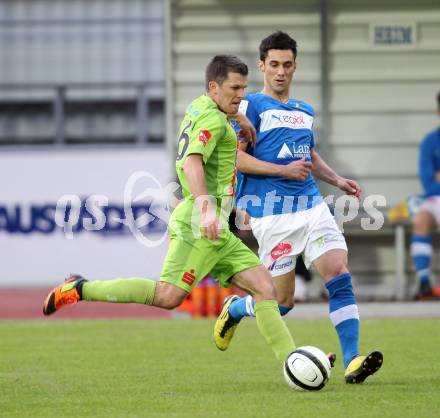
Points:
(274, 329)
(130, 290)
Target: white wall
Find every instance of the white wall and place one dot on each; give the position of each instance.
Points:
(381, 99)
(41, 177)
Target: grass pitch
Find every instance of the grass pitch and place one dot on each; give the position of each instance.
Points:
(171, 368)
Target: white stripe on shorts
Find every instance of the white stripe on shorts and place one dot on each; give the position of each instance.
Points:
(342, 314)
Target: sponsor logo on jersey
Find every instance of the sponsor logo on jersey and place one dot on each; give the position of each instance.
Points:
(188, 277)
(285, 152)
(282, 249)
(299, 151)
(204, 136)
(292, 119)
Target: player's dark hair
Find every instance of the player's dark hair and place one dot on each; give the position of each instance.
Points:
(438, 101)
(221, 65)
(277, 40)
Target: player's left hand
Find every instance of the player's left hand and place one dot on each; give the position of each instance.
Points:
(247, 131)
(350, 187)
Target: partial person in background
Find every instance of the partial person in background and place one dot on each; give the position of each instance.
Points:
(427, 219)
(200, 241)
(289, 217)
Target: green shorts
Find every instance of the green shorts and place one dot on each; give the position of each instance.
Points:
(189, 260)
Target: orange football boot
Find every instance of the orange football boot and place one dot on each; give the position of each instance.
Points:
(66, 293)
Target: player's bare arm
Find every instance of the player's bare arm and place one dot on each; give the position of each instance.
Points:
(195, 175)
(322, 171)
(296, 170)
(247, 133)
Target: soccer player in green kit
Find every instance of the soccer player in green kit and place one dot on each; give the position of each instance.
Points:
(201, 241)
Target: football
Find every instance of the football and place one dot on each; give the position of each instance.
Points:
(307, 368)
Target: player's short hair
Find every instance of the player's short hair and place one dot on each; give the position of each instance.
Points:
(438, 101)
(221, 65)
(277, 40)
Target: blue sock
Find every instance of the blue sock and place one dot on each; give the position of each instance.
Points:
(344, 315)
(242, 307)
(421, 253)
(245, 307)
(284, 309)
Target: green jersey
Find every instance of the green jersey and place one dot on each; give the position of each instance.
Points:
(205, 130)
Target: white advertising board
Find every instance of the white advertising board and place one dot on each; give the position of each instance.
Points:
(89, 211)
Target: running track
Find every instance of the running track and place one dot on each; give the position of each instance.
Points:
(28, 303)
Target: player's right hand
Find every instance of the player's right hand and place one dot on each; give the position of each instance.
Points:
(210, 225)
(297, 170)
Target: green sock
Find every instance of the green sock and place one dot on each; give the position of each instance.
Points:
(274, 329)
(130, 290)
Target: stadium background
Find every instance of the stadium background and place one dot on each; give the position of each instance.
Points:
(93, 91)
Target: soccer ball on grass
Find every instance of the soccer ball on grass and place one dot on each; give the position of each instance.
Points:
(307, 368)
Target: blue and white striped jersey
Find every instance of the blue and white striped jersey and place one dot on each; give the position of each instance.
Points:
(429, 163)
(284, 134)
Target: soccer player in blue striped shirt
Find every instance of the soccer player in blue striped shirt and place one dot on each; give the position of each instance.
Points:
(289, 217)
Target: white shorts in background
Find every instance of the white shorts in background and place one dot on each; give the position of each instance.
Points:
(282, 238)
(432, 205)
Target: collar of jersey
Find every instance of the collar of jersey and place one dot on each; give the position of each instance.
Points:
(291, 103)
(211, 101)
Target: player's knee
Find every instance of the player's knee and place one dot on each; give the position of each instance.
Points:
(175, 300)
(424, 223)
(338, 267)
(419, 224)
(171, 303)
(266, 289)
(258, 282)
(168, 296)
